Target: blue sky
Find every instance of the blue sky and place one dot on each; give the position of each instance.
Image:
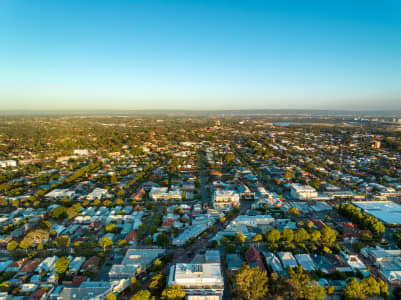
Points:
(187, 54)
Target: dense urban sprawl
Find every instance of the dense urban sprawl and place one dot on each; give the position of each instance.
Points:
(200, 207)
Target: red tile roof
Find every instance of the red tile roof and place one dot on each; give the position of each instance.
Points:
(253, 257)
(131, 236)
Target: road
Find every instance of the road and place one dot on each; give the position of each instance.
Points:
(204, 193)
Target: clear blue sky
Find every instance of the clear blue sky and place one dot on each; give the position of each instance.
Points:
(187, 54)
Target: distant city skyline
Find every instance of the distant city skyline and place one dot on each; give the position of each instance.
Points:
(200, 55)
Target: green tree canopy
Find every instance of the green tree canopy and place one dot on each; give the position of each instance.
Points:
(59, 213)
(12, 246)
(352, 290)
(273, 236)
(328, 235)
(301, 235)
(288, 235)
(141, 295)
(173, 292)
(105, 242)
(62, 264)
(313, 291)
(111, 297)
(251, 283)
(24, 244)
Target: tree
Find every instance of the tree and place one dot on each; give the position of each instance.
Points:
(301, 235)
(62, 264)
(24, 244)
(110, 228)
(309, 225)
(141, 295)
(156, 283)
(63, 242)
(352, 290)
(105, 242)
(12, 246)
(251, 283)
(293, 211)
(59, 213)
(173, 292)
(239, 238)
(122, 243)
(273, 236)
(315, 235)
(297, 282)
(383, 288)
(162, 239)
(313, 291)
(257, 238)
(157, 265)
(230, 248)
(328, 235)
(153, 229)
(107, 203)
(397, 292)
(111, 297)
(73, 211)
(43, 224)
(331, 290)
(369, 286)
(288, 235)
(289, 174)
(134, 284)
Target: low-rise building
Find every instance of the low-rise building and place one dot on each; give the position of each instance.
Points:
(302, 192)
(287, 259)
(225, 199)
(134, 261)
(198, 280)
(273, 263)
(306, 262)
(162, 193)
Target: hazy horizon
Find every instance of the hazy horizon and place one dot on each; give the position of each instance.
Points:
(200, 55)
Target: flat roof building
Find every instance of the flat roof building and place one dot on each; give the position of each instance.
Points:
(134, 261)
(202, 280)
(303, 192)
(225, 199)
(388, 212)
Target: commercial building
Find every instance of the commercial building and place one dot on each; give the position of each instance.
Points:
(388, 263)
(225, 200)
(8, 163)
(162, 193)
(303, 192)
(60, 193)
(134, 261)
(92, 290)
(198, 280)
(388, 212)
(97, 193)
(190, 232)
(253, 221)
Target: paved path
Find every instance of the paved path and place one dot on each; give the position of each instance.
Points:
(204, 193)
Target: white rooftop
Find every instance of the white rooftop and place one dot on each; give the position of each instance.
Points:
(198, 274)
